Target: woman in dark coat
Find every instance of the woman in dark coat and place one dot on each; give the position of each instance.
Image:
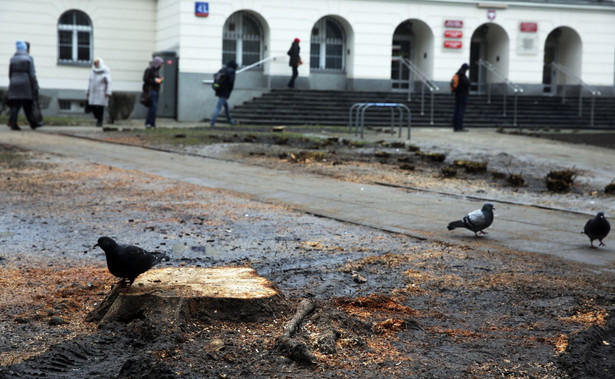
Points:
(23, 86)
(151, 84)
(462, 92)
(295, 61)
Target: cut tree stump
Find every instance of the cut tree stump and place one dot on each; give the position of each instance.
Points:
(173, 295)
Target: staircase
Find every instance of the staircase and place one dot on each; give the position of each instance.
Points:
(307, 107)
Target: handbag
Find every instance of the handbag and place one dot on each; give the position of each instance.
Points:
(36, 114)
(146, 98)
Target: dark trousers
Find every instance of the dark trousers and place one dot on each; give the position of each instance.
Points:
(98, 111)
(16, 105)
(461, 101)
(291, 83)
(151, 112)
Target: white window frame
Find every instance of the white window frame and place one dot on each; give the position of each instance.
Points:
(322, 40)
(75, 29)
(239, 36)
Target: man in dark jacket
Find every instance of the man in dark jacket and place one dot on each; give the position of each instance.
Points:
(151, 85)
(461, 87)
(23, 86)
(223, 92)
(294, 62)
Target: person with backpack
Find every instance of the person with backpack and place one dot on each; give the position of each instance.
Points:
(224, 81)
(151, 86)
(294, 61)
(460, 85)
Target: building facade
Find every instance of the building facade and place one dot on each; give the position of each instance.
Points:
(358, 45)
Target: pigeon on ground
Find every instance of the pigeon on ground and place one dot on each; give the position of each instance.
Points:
(475, 221)
(597, 228)
(127, 261)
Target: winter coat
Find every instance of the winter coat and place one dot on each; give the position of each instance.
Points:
(99, 85)
(293, 52)
(227, 84)
(22, 77)
(149, 79)
(463, 88)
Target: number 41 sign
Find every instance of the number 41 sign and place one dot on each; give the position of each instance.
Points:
(201, 9)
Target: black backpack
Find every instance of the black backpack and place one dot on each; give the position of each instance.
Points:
(219, 78)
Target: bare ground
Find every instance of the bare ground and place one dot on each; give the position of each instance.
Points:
(426, 309)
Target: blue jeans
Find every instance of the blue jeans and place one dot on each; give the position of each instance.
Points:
(221, 103)
(151, 112)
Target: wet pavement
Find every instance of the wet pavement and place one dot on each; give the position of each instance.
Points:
(420, 214)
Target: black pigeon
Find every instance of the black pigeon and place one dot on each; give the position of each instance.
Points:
(475, 221)
(127, 261)
(597, 228)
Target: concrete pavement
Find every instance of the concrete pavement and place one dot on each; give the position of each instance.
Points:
(415, 213)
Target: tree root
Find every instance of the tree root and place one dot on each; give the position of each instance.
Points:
(291, 347)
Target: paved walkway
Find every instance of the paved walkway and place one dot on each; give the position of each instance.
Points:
(415, 213)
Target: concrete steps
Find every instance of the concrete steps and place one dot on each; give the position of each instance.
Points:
(306, 107)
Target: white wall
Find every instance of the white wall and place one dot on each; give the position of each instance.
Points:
(123, 35)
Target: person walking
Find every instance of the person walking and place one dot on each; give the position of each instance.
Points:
(151, 85)
(294, 61)
(223, 91)
(460, 85)
(99, 89)
(23, 86)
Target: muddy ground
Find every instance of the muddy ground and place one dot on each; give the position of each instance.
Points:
(426, 309)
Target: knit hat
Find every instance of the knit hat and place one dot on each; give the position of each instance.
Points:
(157, 62)
(297, 40)
(21, 45)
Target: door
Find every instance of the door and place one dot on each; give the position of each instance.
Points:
(475, 68)
(167, 102)
(549, 74)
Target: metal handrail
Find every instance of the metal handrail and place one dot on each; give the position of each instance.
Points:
(248, 67)
(584, 86)
(427, 83)
(516, 88)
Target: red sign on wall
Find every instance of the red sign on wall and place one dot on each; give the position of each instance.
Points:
(452, 44)
(529, 27)
(453, 34)
(453, 23)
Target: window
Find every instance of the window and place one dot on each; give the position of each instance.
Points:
(242, 40)
(75, 38)
(327, 46)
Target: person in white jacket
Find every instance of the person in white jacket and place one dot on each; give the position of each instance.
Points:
(99, 89)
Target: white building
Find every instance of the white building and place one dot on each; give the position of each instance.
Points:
(345, 44)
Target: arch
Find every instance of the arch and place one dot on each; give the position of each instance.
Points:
(491, 43)
(75, 38)
(244, 38)
(562, 45)
(412, 39)
(328, 44)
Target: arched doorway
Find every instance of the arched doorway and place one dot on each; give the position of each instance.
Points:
(412, 40)
(562, 46)
(489, 43)
(243, 39)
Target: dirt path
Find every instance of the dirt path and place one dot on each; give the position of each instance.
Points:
(428, 308)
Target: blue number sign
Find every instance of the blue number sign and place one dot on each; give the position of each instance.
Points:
(201, 9)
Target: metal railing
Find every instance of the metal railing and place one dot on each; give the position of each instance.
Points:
(584, 86)
(515, 88)
(426, 83)
(248, 67)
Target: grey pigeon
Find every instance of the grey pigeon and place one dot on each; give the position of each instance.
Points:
(127, 261)
(475, 221)
(597, 228)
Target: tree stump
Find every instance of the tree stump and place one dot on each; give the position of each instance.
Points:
(173, 295)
